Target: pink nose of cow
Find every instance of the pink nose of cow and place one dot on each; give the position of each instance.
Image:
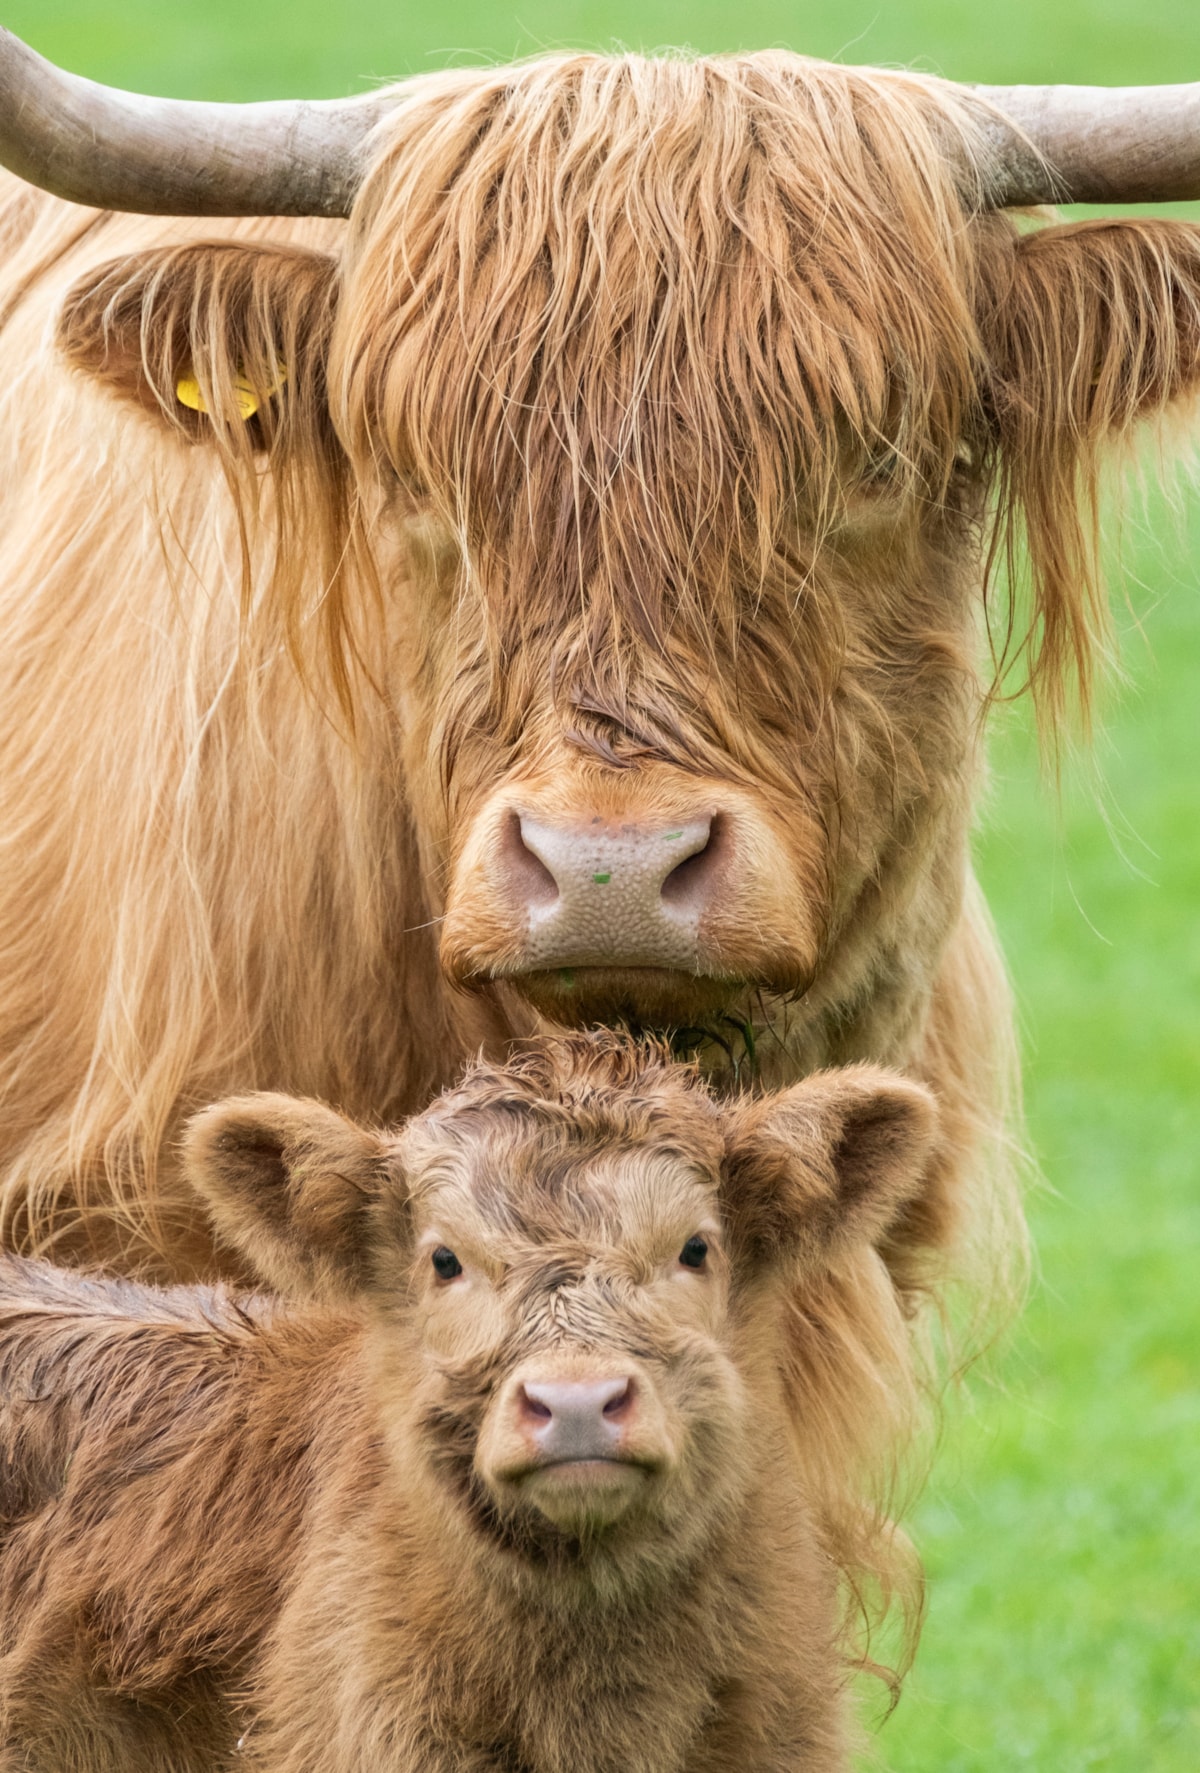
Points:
(576, 1419)
(600, 894)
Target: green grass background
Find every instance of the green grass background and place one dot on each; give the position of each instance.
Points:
(1062, 1528)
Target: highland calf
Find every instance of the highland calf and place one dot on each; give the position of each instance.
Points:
(500, 1481)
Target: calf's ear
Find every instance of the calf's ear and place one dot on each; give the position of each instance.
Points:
(219, 342)
(826, 1166)
(289, 1183)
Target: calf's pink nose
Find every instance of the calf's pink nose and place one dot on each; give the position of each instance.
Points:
(576, 1419)
(598, 894)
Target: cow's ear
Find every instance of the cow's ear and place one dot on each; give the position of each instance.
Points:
(210, 339)
(1096, 325)
(825, 1167)
(289, 1184)
(1087, 329)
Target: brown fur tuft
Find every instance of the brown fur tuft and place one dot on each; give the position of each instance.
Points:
(224, 313)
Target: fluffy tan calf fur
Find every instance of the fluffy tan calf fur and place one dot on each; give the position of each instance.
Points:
(500, 1484)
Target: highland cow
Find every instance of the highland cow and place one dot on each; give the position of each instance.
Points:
(498, 1478)
(552, 595)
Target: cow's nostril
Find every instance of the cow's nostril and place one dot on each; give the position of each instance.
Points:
(689, 886)
(575, 1410)
(528, 876)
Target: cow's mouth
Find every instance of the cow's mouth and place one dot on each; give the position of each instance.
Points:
(640, 998)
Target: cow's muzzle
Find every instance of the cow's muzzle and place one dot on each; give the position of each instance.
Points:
(656, 912)
(602, 894)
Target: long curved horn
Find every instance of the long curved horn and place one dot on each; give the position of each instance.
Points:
(118, 150)
(1092, 144)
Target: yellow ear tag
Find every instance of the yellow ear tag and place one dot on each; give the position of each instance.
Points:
(187, 392)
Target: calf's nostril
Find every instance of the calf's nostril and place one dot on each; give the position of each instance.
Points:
(620, 1401)
(534, 1406)
(570, 1407)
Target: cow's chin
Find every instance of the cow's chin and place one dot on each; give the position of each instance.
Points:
(641, 997)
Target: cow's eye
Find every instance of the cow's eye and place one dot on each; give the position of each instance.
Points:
(446, 1264)
(880, 468)
(694, 1253)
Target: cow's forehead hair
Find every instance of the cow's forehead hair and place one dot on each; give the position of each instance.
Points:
(618, 316)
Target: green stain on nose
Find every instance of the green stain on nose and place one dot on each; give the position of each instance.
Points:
(670, 836)
(602, 879)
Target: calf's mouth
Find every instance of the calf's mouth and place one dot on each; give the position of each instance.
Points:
(583, 1492)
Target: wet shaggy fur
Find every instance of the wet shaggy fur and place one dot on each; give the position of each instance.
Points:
(273, 1533)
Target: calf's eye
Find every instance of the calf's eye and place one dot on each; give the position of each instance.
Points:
(694, 1252)
(446, 1264)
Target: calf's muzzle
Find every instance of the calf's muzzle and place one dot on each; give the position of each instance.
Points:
(569, 1420)
(576, 1439)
